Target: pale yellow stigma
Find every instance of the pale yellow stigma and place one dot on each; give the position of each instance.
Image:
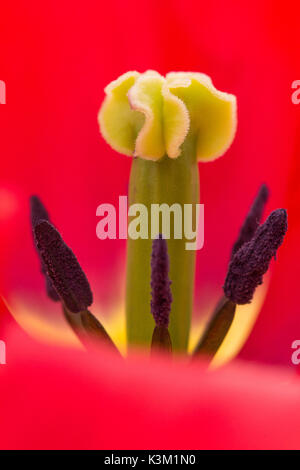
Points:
(149, 116)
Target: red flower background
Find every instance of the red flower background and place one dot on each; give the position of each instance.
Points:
(56, 58)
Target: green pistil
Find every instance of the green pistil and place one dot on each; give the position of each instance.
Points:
(166, 181)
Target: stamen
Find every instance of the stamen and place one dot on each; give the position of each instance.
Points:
(95, 330)
(161, 341)
(252, 260)
(38, 213)
(88, 329)
(252, 219)
(160, 283)
(63, 268)
(216, 329)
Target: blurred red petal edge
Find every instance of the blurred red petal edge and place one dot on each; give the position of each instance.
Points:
(55, 398)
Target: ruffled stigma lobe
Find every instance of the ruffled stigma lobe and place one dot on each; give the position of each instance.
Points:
(149, 116)
(63, 268)
(252, 260)
(160, 283)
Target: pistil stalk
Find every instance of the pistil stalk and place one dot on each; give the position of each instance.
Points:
(166, 181)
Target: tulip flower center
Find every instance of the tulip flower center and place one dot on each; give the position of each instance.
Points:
(167, 125)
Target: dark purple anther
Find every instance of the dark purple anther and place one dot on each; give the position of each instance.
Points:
(252, 219)
(160, 283)
(252, 260)
(38, 213)
(63, 268)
